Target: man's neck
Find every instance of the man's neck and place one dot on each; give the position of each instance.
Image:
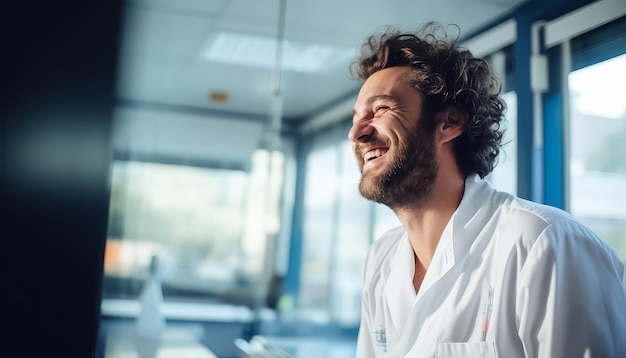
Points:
(426, 222)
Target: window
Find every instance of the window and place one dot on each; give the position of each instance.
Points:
(587, 51)
(208, 227)
(337, 231)
(318, 231)
(504, 175)
(353, 238)
(597, 166)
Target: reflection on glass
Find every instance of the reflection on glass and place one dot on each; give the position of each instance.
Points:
(598, 150)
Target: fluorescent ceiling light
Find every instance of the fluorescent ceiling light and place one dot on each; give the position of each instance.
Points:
(260, 51)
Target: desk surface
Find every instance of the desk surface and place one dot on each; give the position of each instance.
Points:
(296, 347)
(123, 342)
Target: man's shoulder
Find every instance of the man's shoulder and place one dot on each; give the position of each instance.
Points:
(509, 206)
(529, 222)
(520, 221)
(526, 212)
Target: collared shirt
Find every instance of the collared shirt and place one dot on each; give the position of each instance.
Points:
(509, 278)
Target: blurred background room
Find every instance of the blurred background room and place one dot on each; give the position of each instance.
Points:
(178, 180)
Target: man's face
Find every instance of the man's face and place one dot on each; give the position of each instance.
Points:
(395, 154)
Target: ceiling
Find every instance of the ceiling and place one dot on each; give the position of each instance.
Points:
(175, 54)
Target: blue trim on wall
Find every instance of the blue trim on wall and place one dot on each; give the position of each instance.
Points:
(292, 278)
(531, 177)
(530, 174)
(554, 135)
(525, 128)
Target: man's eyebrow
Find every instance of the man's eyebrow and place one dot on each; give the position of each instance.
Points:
(377, 97)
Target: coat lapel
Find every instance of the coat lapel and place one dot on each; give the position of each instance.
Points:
(399, 291)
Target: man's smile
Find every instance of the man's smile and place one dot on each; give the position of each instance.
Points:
(374, 153)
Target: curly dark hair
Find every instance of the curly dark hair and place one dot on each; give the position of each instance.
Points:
(447, 75)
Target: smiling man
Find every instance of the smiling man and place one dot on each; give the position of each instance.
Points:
(472, 271)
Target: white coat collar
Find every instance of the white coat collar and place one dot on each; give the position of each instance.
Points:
(472, 214)
(457, 238)
(399, 291)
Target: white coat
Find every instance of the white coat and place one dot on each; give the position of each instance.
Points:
(546, 284)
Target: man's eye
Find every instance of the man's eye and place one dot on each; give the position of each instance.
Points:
(380, 109)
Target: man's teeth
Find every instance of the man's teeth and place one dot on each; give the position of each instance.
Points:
(373, 154)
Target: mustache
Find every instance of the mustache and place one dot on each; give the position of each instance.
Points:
(372, 140)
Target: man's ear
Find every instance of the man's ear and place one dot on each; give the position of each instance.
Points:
(451, 123)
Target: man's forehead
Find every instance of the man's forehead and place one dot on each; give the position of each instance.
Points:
(386, 79)
(385, 84)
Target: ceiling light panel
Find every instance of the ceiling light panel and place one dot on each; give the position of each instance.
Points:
(260, 51)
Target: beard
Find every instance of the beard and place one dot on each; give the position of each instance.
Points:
(410, 177)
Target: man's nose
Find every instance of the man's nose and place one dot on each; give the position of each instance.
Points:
(360, 130)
